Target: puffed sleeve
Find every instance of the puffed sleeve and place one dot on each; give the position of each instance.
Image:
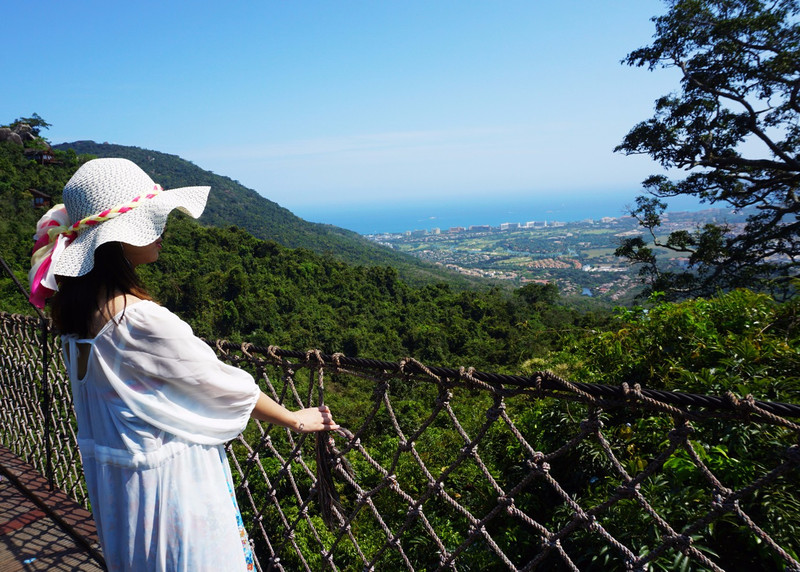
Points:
(173, 380)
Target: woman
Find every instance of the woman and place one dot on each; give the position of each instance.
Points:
(154, 405)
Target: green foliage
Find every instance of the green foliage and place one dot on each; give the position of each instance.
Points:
(739, 60)
(739, 341)
(18, 215)
(229, 284)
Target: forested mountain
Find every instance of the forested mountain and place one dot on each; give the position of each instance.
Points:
(231, 203)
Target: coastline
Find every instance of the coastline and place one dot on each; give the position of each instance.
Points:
(392, 217)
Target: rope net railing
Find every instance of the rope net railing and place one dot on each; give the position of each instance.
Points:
(455, 469)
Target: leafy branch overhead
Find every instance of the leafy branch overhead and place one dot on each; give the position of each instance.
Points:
(734, 125)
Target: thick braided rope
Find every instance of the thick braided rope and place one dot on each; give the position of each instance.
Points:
(108, 214)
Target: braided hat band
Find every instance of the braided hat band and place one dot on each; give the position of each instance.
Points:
(107, 214)
(108, 200)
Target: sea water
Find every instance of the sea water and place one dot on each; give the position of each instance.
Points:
(391, 217)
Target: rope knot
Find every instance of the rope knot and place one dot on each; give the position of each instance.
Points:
(476, 530)
(494, 413)
(591, 425)
(409, 361)
(556, 543)
(538, 464)
(405, 446)
(720, 500)
(587, 520)
(245, 348)
(680, 433)
(632, 393)
(628, 490)
(730, 399)
(317, 355)
(679, 541)
(443, 398)
(467, 373)
(505, 500)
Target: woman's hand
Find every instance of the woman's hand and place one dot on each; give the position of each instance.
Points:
(314, 419)
(306, 420)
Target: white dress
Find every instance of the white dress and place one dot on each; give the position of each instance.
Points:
(154, 410)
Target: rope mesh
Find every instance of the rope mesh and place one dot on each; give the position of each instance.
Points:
(458, 470)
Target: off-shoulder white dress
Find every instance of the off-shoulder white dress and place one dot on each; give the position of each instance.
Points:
(154, 409)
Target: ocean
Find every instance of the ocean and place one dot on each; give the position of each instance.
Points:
(426, 215)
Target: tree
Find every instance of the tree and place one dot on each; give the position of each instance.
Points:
(735, 126)
(35, 122)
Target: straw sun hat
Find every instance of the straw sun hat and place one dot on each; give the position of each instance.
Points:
(105, 200)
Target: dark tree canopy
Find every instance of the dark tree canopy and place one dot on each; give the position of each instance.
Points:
(35, 122)
(734, 125)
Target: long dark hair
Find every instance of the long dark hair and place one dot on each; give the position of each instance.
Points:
(79, 297)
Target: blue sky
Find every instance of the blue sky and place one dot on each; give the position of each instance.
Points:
(319, 105)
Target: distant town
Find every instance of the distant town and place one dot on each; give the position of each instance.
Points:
(480, 228)
(577, 256)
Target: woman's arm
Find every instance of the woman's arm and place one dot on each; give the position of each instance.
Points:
(303, 421)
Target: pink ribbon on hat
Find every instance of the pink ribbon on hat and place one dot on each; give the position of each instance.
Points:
(46, 250)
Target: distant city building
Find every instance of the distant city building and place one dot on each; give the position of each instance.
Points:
(419, 233)
(407, 233)
(436, 231)
(455, 229)
(509, 225)
(480, 228)
(607, 219)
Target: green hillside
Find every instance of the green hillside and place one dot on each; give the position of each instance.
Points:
(231, 203)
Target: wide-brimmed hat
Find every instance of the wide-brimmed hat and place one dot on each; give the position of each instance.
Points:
(106, 200)
(107, 184)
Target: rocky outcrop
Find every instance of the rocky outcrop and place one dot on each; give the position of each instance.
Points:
(7, 134)
(20, 134)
